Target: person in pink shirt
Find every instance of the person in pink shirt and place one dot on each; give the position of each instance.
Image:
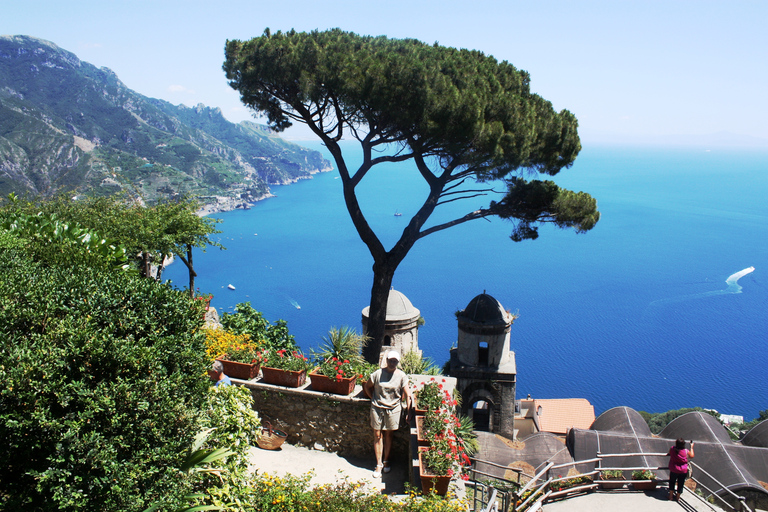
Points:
(678, 467)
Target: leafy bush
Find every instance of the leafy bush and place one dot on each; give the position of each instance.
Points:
(103, 381)
(229, 410)
(249, 321)
(289, 493)
(55, 241)
(657, 421)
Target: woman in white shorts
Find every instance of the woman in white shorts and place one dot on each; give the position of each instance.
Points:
(387, 387)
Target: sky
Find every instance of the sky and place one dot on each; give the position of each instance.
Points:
(631, 72)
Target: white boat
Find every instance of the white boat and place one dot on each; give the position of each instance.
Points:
(230, 287)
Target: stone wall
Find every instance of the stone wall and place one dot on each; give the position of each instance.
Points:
(322, 421)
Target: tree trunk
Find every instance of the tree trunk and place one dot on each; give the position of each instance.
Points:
(192, 273)
(377, 312)
(146, 265)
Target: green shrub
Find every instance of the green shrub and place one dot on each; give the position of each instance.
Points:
(247, 320)
(414, 363)
(103, 382)
(229, 409)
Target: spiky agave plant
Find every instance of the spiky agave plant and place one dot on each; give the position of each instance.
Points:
(413, 363)
(465, 433)
(342, 343)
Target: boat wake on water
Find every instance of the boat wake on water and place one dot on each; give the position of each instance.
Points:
(733, 287)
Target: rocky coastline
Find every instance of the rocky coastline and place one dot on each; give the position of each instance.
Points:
(219, 204)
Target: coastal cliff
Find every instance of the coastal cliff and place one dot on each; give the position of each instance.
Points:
(67, 126)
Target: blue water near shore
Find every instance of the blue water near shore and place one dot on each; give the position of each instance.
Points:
(636, 312)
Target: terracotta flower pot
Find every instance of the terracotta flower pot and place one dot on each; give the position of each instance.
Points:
(421, 435)
(327, 384)
(606, 483)
(431, 482)
(285, 378)
(644, 486)
(245, 371)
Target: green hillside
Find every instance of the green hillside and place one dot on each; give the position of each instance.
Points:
(68, 126)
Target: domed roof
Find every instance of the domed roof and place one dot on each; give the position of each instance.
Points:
(758, 436)
(622, 419)
(484, 309)
(398, 307)
(697, 425)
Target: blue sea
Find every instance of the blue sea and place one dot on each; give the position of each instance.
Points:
(655, 308)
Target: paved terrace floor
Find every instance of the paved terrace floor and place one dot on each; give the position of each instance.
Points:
(329, 468)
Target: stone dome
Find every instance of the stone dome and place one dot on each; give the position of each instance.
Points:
(398, 307)
(485, 310)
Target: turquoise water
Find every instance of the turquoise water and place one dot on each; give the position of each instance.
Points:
(636, 312)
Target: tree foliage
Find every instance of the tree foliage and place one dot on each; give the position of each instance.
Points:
(658, 420)
(148, 234)
(460, 116)
(56, 242)
(102, 383)
(247, 320)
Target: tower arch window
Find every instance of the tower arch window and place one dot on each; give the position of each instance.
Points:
(481, 415)
(482, 353)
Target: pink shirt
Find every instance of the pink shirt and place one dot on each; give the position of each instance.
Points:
(678, 460)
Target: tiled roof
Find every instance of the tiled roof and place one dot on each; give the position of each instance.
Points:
(558, 415)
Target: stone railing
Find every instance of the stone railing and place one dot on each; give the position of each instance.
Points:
(322, 421)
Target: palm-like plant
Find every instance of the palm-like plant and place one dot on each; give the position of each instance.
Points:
(413, 363)
(467, 439)
(342, 343)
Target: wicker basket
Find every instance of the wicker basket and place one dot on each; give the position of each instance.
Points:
(271, 439)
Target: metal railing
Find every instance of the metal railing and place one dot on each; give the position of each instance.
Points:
(543, 486)
(493, 494)
(741, 500)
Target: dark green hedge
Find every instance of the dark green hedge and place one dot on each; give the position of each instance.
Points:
(102, 380)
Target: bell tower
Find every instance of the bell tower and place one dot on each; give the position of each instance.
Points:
(401, 329)
(484, 365)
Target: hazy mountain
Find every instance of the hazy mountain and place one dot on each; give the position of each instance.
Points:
(66, 125)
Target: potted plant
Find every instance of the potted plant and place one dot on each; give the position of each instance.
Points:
(240, 356)
(611, 474)
(243, 361)
(644, 474)
(436, 422)
(285, 368)
(431, 395)
(342, 343)
(334, 375)
(439, 463)
(340, 362)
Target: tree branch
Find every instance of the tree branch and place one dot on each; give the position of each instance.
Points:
(459, 198)
(477, 214)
